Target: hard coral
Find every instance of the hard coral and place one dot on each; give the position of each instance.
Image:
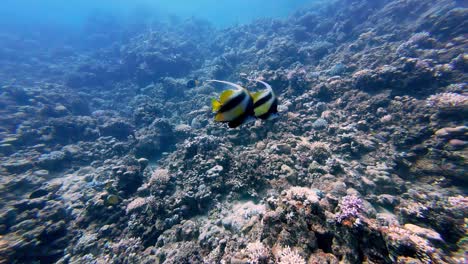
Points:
(448, 102)
(257, 252)
(351, 208)
(135, 204)
(401, 240)
(160, 177)
(289, 256)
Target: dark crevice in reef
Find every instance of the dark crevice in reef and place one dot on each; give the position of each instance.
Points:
(108, 156)
(325, 242)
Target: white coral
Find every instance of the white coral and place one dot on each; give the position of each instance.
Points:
(299, 193)
(448, 101)
(135, 204)
(160, 177)
(256, 252)
(289, 256)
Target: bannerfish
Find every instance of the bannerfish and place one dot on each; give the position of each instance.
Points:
(234, 106)
(265, 103)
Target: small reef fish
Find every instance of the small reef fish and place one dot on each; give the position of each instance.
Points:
(233, 106)
(194, 83)
(265, 103)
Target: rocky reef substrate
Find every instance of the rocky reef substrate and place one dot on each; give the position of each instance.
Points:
(107, 157)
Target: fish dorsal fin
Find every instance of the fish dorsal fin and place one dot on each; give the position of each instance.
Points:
(265, 84)
(225, 96)
(255, 96)
(238, 87)
(216, 105)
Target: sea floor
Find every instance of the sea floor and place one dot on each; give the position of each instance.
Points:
(108, 157)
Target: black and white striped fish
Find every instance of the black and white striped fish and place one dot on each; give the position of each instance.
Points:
(233, 106)
(265, 103)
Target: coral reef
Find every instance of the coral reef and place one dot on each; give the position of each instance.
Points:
(107, 157)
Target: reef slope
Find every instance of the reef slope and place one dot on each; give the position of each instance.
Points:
(107, 156)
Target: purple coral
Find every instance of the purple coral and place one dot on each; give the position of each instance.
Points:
(351, 206)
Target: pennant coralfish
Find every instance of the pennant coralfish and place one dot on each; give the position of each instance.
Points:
(265, 103)
(233, 106)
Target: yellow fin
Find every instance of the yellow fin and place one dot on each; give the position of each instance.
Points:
(225, 96)
(216, 105)
(219, 117)
(255, 96)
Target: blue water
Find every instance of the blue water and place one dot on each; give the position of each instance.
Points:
(221, 13)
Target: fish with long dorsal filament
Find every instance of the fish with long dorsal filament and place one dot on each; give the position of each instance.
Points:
(265, 103)
(234, 106)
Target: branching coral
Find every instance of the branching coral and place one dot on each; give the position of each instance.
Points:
(257, 252)
(160, 177)
(351, 207)
(289, 256)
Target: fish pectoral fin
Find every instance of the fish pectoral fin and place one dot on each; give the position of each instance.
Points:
(225, 96)
(215, 104)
